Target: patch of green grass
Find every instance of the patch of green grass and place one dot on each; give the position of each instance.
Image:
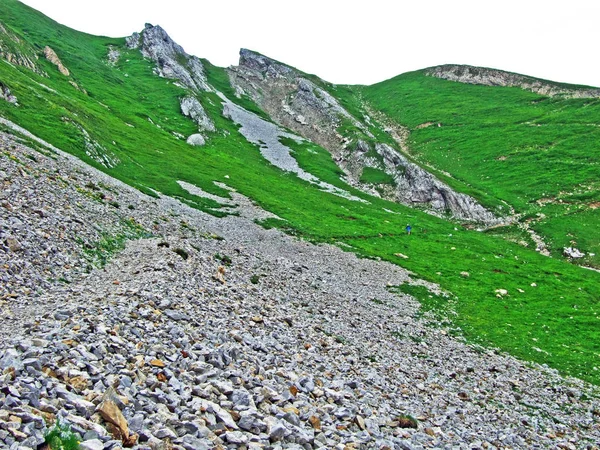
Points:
(525, 147)
(110, 243)
(371, 175)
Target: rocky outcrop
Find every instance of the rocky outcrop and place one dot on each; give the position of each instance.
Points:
(493, 77)
(292, 100)
(54, 59)
(5, 94)
(18, 52)
(192, 108)
(305, 106)
(113, 55)
(171, 59)
(414, 185)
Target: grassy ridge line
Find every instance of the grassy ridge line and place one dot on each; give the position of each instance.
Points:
(154, 158)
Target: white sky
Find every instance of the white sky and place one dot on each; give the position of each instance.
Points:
(363, 42)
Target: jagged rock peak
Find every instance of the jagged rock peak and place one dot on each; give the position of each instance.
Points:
(494, 77)
(171, 59)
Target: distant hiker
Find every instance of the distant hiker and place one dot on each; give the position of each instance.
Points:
(408, 228)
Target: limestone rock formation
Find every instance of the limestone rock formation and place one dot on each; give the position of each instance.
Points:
(6, 94)
(191, 107)
(113, 55)
(54, 59)
(306, 105)
(291, 99)
(18, 52)
(171, 59)
(417, 186)
(494, 77)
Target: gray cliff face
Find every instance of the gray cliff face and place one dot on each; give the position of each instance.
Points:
(417, 186)
(171, 59)
(291, 99)
(299, 103)
(493, 77)
(174, 63)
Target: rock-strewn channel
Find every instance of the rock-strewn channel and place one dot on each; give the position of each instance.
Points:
(216, 333)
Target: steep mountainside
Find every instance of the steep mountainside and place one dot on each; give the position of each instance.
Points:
(212, 333)
(174, 126)
(357, 142)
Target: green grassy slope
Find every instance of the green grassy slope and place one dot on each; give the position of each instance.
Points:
(554, 322)
(538, 154)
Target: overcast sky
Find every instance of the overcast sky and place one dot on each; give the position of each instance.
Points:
(363, 42)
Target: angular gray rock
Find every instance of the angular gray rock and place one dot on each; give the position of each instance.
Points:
(191, 107)
(171, 59)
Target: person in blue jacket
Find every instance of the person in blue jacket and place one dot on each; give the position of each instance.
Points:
(408, 229)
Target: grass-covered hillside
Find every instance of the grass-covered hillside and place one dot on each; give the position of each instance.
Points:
(549, 313)
(538, 154)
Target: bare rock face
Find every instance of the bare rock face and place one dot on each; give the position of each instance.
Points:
(171, 60)
(191, 107)
(18, 52)
(306, 105)
(291, 99)
(113, 55)
(54, 59)
(414, 185)
(493, 77)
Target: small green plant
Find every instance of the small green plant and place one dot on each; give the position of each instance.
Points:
(254, 279)
(224, 259)
(181, 252)
(60, 437)
(407, 421)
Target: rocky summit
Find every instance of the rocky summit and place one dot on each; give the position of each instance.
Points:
(216, 333)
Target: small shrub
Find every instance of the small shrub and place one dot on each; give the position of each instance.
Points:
(181, 252)
(254, 279)
(406, 421)
(224, 259)
(60, 437)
